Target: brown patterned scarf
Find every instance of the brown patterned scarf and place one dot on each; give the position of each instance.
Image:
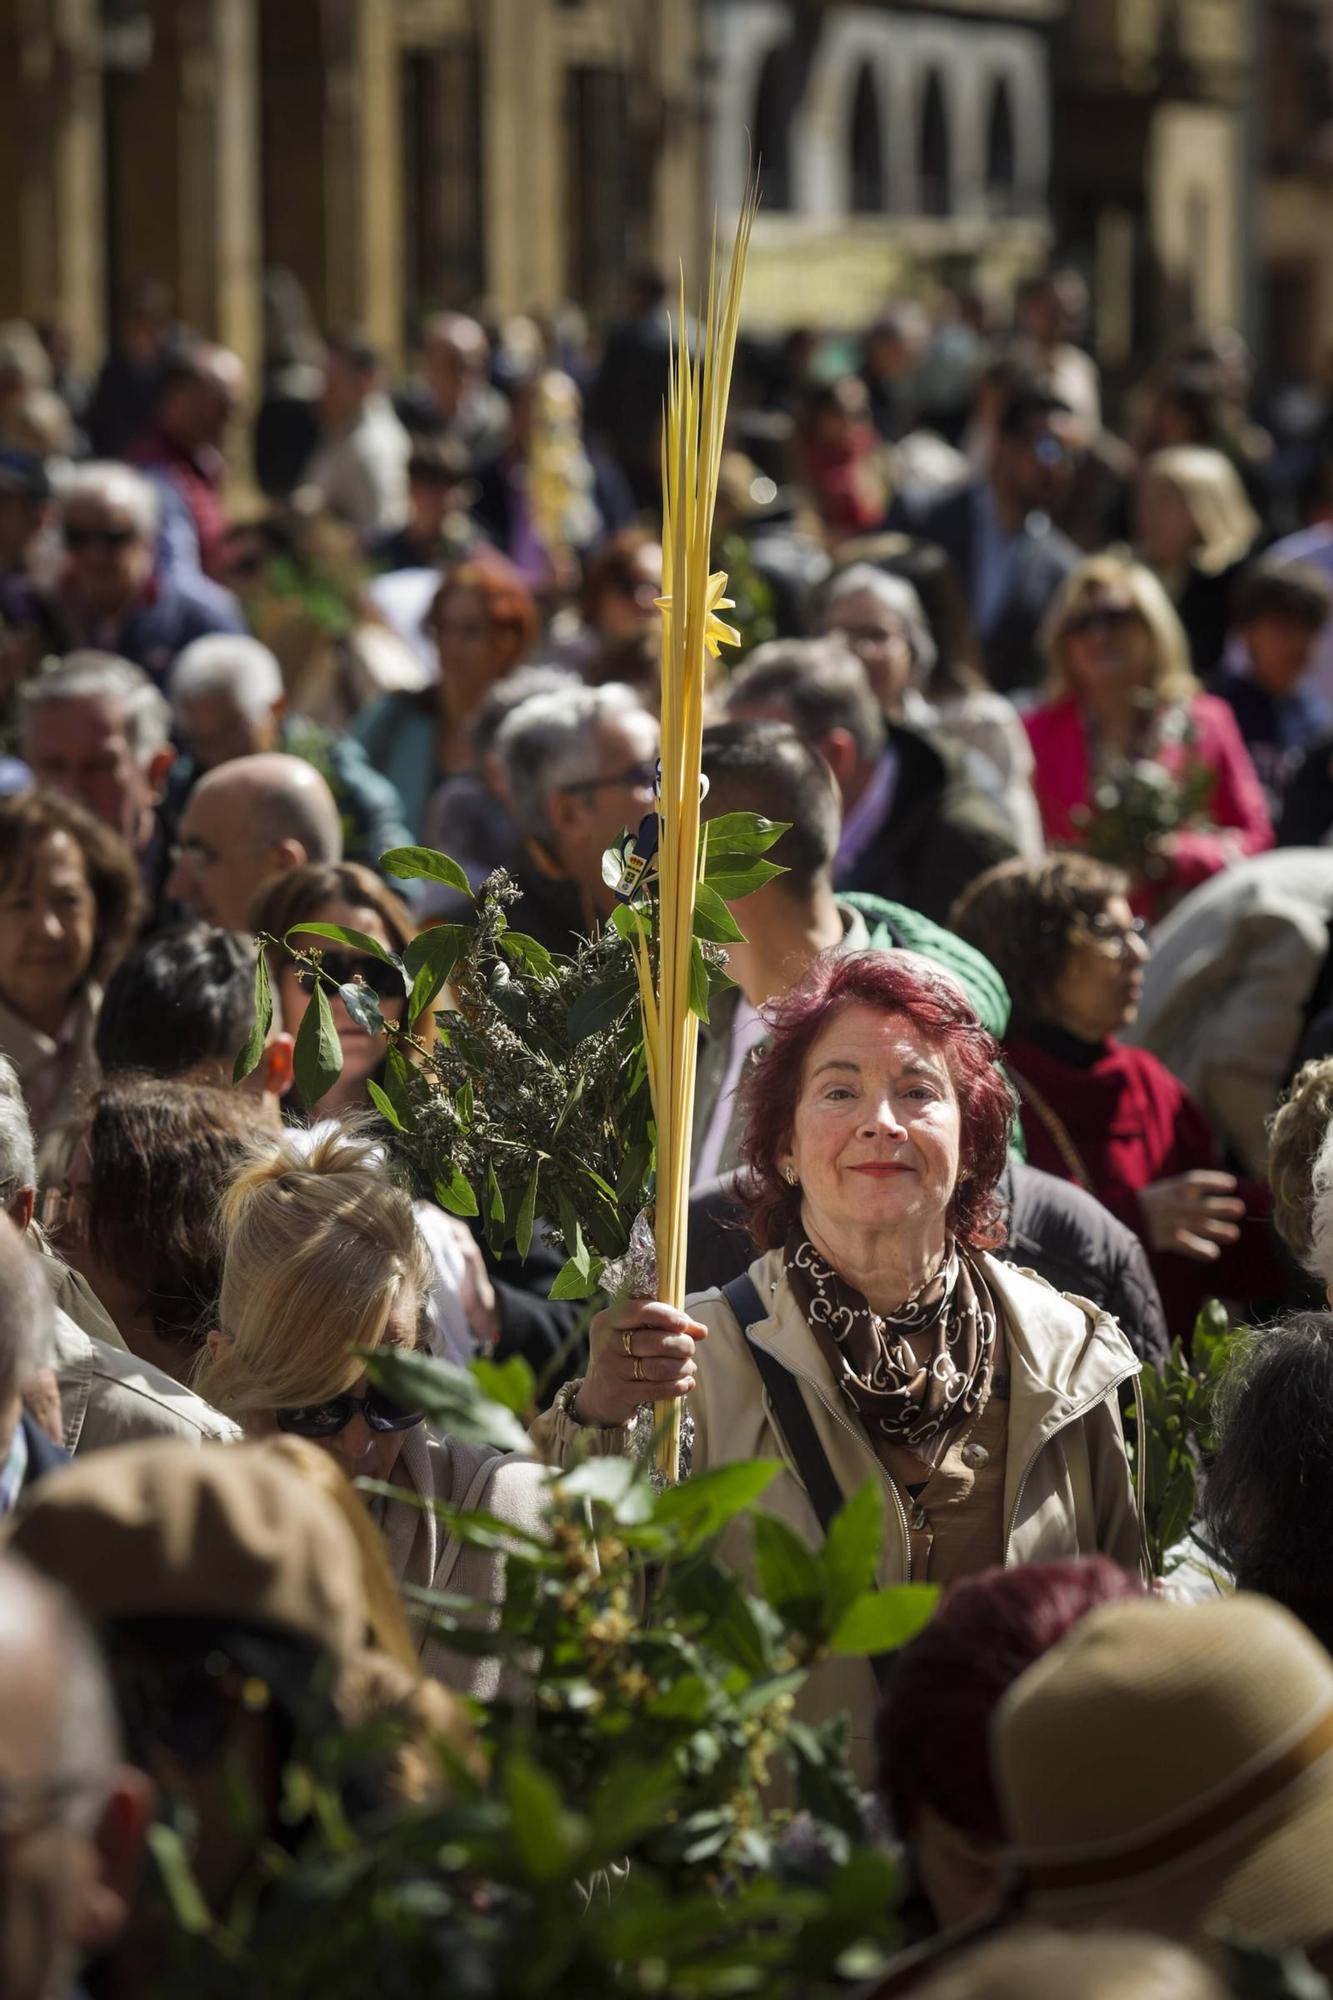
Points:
(912, 1374)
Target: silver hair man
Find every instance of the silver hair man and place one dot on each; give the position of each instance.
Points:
(72, 1816)
(106, 483)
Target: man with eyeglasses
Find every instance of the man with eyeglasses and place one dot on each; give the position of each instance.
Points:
(72, 1814)
(245, 822)
(226, 1589)
(110, 596)
(579, 767)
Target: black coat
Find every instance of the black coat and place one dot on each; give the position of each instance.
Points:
(1010, 650)
(941, 830)
(1055, 1229)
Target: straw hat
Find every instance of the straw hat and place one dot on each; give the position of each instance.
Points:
(226, 1532)
(1169, 1767)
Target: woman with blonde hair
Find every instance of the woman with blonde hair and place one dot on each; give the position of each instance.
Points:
(1122, 697)
(323, 1260)
(1195, 529)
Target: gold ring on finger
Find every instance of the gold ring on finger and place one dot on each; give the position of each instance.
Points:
(627, 1340)
(638, 1369)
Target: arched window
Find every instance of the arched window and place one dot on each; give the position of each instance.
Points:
(935, 163)
(866, 147)
(1001, 150)
(773, 109)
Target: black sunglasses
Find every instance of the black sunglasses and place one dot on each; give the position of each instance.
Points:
(325, 1420)
(384, 981)
(1103, 618)
(104, 538)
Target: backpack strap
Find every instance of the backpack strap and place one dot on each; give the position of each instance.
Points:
(796, 1425)
(794, 1419)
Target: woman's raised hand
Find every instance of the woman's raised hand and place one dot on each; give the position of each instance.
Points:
(642, 1352)
(1193, 1213)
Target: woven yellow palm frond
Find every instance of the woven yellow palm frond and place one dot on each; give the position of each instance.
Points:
(694, 596)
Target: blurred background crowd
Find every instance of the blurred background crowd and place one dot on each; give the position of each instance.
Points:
(333, 348)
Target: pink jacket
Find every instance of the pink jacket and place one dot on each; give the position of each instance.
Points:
(1240, 822)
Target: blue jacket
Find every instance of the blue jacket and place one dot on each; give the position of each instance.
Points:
(163, 622)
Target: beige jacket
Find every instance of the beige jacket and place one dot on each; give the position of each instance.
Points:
(426, 1556)
(108, 1396)
(28, 1048)
(1068, 1488)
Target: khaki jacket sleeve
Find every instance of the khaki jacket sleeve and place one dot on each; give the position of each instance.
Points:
(559, 1440)
(1117, 1500)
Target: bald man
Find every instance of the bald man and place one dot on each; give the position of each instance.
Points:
(69, 1862)
(245, 822)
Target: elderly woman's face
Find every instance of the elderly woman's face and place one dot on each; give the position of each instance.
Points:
(875, 1140)
(48, 927)
(1101, 982)
(1107, 645)
(879, 639)
(472, 653)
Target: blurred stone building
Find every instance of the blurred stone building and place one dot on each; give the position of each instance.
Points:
(401, 155)
(1155, 106)
(900, 144)
(395, 155)
(1295, 326)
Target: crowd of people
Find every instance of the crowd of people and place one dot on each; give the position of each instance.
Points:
(1025, 1055)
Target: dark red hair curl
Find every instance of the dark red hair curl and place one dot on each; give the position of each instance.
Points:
(896, 983)
(934, 1722)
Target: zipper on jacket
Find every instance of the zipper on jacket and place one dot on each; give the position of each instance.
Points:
(1074, 1417)
(861, 1444)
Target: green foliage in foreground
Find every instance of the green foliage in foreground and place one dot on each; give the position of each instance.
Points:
(625, 1841)
(1178, 1396)
(530, 1099)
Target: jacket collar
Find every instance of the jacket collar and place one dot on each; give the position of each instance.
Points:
(73, 1353)
(27, 1046)
(1063, 1355)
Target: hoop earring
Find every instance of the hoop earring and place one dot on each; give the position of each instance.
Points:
(790, 1175)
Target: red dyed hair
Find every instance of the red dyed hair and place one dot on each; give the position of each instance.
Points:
(940, 1012)
(510, 607)
(931, 1736)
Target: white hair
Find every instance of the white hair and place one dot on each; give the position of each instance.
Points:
(36, 1611)
(27, 1314)
(18, 1155)
(898, 596)
(105, 482)
(550, 741)
(89, 676)
(227, 663)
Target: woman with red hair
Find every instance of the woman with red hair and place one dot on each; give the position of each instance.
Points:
(484, 622)
(876, 1339)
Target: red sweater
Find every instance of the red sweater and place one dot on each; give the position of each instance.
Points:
(1131, 1123)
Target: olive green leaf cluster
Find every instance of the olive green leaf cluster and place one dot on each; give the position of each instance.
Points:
(529, 1098)
(1178, 1395)
(626, 1839)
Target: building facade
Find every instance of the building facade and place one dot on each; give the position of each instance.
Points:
(1295, 327)
(1156, 138)
(396, 155)
(899, 144)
